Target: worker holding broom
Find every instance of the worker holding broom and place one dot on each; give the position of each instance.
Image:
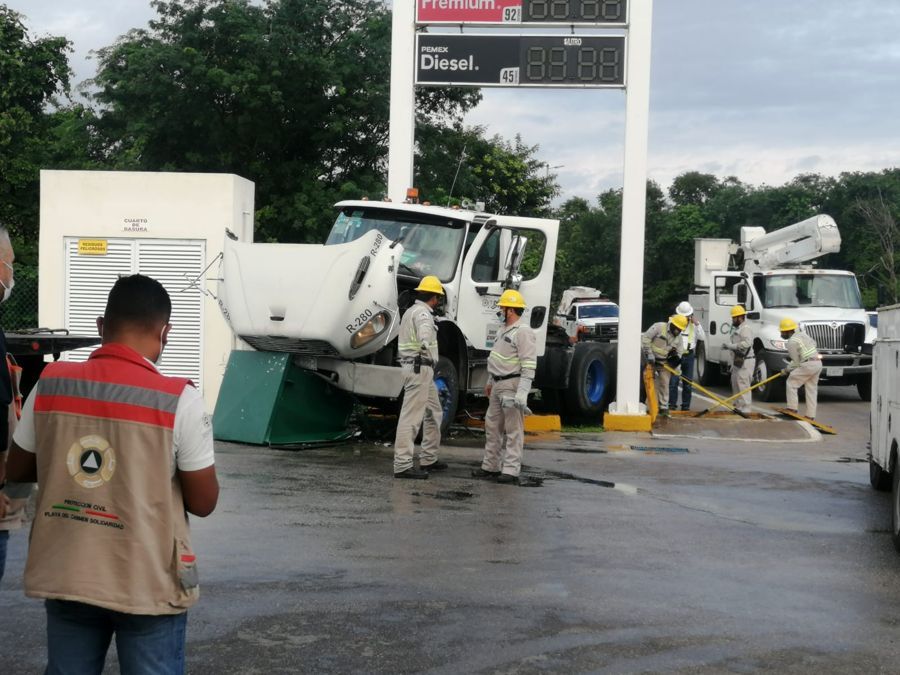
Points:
(804, 367)
(661, 344)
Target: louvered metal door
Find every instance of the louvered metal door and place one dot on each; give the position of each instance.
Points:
(176, 264)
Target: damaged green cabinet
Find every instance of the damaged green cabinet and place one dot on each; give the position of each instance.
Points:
(267, 400)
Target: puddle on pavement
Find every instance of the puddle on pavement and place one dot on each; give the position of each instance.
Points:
(658, 450)
(849, 460)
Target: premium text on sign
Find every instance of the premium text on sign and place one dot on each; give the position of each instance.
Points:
(535, 12)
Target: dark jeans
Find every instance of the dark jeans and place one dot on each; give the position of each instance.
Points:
(78, 637)
(4, 538)
(687, 370)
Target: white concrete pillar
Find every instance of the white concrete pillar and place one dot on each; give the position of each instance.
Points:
(401, 135)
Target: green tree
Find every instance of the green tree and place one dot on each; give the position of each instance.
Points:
(32, 73)
(291, 94)
(455, 165)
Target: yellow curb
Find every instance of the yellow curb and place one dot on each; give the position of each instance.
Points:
(612, 422)
(534, 423)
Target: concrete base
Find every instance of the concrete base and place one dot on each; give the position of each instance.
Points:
(616, 422)
(539, 423)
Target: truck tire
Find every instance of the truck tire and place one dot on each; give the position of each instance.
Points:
(765, 368)
(864, 387)
(708, 373)
(879, 479)
(895, 505)
(447, 382)
(590, 383)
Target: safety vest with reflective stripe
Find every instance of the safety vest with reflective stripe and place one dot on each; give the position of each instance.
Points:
(514, 352)
(657, 341)
(110, 527)
(418, 333)
(801, 348)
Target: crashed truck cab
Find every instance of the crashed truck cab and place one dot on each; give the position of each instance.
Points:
(334, 309)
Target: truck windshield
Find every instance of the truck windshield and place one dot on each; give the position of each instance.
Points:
(430, 245)
(598, 311)
(808, 290)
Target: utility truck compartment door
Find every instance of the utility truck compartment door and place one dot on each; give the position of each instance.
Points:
(506, 252)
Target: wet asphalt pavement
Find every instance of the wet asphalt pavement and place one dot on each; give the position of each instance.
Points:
(693, 556)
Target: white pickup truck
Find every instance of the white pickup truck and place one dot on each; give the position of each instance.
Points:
(884, 473)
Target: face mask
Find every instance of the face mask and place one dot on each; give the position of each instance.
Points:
(7, 290)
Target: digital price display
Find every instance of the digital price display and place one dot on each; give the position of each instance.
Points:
(610, 13)
(520, 60)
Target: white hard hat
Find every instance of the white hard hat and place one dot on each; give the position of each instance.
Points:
(684, 309)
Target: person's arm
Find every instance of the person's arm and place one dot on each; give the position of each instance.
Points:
(21, 465)
(200, 490)
(647, 341)
(425, 331)
(194, 454)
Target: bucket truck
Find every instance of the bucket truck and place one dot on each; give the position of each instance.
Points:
(334, 309)
(884, 468)
(775, 279)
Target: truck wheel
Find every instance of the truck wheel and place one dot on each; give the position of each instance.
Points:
(774, 390)
(864, 387)
(895, 506)
(707, 373)
(590, 382)
(447, 382)
(879, 479)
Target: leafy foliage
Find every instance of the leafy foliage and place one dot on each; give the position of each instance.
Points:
(866, 207)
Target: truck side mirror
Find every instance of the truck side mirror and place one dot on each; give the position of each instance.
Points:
(742, 295)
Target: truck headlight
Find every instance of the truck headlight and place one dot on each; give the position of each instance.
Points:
(780, 345)
(370, 330)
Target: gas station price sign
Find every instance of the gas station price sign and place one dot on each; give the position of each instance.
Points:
(608, 13)
(520, 60)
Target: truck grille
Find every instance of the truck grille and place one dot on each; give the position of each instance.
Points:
(830, 335)
(607, 331)
(268, 343)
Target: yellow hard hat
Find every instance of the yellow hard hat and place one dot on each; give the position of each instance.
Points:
(787, 324)
(511, 298)
(430, 284)
(738, 310)
(680, 322)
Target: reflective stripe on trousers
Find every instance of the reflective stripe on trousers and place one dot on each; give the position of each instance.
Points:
(503, 424)
(740, 380)
(421, 408)
(807, 376)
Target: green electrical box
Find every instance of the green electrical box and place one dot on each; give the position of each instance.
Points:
(266, 400)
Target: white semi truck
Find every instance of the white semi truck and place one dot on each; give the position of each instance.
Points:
(587, 315)
(775, 279)
(336, 307)
(884, 472)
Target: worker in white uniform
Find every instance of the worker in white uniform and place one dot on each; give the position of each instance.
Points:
(511, 365)
(418, 349)
(743, 361)
(689, 338)
(661, 344)
(804, 367)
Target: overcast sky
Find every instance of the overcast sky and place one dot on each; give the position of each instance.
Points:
(760, 89)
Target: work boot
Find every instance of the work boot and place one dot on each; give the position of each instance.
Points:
(412, 472)
(487, 475)
(508, 479)
(663, 412)
(435, 466)
(791, 410)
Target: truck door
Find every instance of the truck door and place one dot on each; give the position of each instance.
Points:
(517, 250)
(728, 289)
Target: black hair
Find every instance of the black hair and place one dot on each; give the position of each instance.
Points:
(136, 301)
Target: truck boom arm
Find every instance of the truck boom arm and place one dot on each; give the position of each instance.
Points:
(797, 243)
